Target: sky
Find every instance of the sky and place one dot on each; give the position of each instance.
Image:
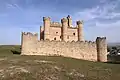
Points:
(101, 17)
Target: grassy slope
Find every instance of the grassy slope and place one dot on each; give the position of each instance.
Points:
(57, 68)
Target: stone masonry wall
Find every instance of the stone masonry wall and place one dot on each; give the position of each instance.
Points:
(72, 34)
(55, 32)
(80, 50)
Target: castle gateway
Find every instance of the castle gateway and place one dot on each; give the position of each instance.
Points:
(63, 39)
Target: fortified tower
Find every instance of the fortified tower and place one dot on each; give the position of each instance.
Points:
(80, 30)
(101, 49)
(61, 31)
(46, 24)
(69, 21)
(64, 22)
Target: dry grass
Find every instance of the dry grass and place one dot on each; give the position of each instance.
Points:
(16, 67)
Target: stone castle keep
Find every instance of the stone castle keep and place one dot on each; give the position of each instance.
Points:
(61, 31)
(62, 39)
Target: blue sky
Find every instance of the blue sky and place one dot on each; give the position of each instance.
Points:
(101, 17)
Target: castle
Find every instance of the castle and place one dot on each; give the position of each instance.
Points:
(61, 31)
(62, 39)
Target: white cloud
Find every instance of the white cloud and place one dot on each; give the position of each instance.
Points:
(18, 7)
(13, 6)
(101, 11)
(108, 25)
(95, 21)
(10, 6)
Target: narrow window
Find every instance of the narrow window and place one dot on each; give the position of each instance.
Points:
(74, 34)
(55, 38)
(60, 37)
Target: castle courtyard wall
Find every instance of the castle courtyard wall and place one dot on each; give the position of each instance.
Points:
(80, 50)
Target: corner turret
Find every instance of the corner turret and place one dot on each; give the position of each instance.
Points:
(80, 30)
(64, 22)
(69, 21)
(101, 49)
(46, 24)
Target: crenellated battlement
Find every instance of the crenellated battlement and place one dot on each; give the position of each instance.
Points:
(64, 20)
(46, 18)
(72, 27)
(29, 34)
(101, 38)
(55, 24)
(29, 37)
(75, 42)
(79, 22)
